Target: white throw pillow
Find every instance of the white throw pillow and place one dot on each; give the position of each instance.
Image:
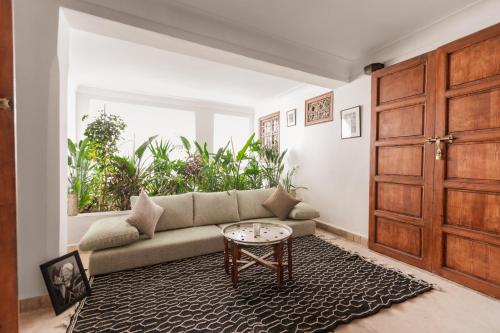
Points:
(145, 215)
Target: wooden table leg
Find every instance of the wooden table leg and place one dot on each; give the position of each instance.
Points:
(289, 249)
(226, 255)
(279, 258)
(234, 255)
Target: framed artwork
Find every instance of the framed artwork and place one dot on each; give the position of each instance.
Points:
(319, 109)
(269, 130)
(291, 118)
(66, 281)
(350, 123)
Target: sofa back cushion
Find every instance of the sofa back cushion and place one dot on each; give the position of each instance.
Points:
(178, 211)
(215, 208)
(250, 203)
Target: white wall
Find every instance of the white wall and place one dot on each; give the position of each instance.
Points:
(335, 171)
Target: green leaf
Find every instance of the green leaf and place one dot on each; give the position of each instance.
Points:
(186, 144)
(139, 152)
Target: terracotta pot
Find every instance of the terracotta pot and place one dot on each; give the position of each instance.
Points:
(72, 204)
(293, 193)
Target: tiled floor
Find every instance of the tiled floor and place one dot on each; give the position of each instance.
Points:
(449, 308)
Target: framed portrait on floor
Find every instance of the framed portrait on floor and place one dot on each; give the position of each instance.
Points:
(350, 122)
(66, 281)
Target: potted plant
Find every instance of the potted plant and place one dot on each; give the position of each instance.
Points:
(288, 183)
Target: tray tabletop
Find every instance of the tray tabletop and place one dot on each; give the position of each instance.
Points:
(270, 233)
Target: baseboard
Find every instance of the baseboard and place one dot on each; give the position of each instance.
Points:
(352, 236)
(34, 303)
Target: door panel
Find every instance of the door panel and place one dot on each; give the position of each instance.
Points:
(9, 312)
(402, 122)
(403, 99)
(473, 210)
(473, 112)
(400, 236)
(400, 198)
(467, 181)
(474, 160)
(464, 65)
(405, 83)
(402, 160)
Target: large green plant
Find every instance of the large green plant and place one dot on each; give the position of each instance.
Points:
(113, 179)
(80, 167)
(127, 176)
(272, 165)
(103, 134)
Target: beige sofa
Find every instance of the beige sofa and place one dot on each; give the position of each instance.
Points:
(191, 226)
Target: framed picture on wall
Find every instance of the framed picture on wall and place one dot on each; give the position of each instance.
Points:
(319, 109)
(269, 130)
(291, 118)
(350, 122)
(66, 281)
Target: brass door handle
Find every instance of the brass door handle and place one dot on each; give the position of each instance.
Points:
(5, 104)
(437, 140)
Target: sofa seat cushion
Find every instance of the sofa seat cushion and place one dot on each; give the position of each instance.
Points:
(164, 246)
(178, 211)
(250, 203)
(303, 211)
(300, 228)
(107, 233)
(214, 208)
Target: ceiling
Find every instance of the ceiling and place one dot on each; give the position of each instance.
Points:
(330, 39)
(347, 29)
(113, 64)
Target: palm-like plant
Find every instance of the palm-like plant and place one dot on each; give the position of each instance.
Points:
(272, 165)
(80, 167)
(127, 176)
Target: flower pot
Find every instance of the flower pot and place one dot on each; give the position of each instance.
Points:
(293, 193)
(72, 204)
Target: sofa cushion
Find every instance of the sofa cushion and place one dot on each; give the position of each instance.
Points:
(145, 215)
(107, 233)
(250, 203)
(214, 208)
(303, 211)
(300, 228)
(164, 246)
(178, 211)
(280, 203)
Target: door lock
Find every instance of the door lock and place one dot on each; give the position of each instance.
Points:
(437, 140)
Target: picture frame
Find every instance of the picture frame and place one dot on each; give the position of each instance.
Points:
(66, 281)
(291, 118)
(269, 130)
(318, 109)
(350, 123)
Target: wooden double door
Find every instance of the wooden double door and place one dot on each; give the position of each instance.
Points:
(435, 161)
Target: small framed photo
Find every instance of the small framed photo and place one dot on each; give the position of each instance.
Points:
(291, 118)
(66, 281)
(350, 122)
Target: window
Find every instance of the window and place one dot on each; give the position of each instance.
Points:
(145, 121)
(269, 130)
(235, 128)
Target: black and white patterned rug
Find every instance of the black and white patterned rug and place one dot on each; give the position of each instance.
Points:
(331, 286)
